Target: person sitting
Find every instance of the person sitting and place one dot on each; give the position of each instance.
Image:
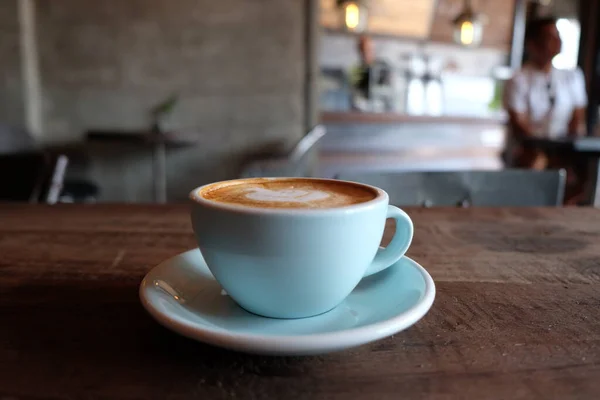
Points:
(544, 102)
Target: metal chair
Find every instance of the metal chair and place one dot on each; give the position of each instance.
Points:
(296, 163)
(508, 188)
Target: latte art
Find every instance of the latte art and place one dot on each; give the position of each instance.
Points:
(289, 193)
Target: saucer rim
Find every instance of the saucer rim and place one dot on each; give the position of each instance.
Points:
(289, 344)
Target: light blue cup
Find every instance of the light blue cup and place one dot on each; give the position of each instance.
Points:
(295, 263)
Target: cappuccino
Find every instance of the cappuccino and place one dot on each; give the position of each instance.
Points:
(288, 193)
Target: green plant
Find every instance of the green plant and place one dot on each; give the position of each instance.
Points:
(162, 110)
(496, 102)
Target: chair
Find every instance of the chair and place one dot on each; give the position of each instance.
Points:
(509, 188)
(296, 163)
(34, 177)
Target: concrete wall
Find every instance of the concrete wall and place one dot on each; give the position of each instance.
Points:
(233, 62)
(11, 100)
(236, 65)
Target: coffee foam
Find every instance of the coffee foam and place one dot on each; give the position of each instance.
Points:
(286, 195)
(289, 193)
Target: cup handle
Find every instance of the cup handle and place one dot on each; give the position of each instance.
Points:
(385, 257)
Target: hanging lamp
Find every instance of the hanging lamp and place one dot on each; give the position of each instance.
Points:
(468, 26)
(354, 14)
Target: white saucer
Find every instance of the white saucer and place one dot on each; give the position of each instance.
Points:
(182, 295)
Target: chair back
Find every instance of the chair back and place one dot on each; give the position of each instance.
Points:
(34, 177)
(307, 143)
(296, 163)
(505, 188)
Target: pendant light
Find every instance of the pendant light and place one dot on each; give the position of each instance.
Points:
(354, 13)
(468, 27)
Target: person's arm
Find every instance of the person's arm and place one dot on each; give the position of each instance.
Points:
(515, 103)
(519, 123)
(577, 123)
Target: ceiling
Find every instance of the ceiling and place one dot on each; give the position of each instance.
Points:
(409, 18)
(431, 19)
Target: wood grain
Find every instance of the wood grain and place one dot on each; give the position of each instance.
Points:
(516, 315)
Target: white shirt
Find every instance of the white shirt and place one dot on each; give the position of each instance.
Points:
(531, 91)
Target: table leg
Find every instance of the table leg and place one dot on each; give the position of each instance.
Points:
(592, 188)
(159, 172)
(595, 183)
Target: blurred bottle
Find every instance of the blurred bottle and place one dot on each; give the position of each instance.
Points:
(415, 93)
(433, 87)
(403, 77)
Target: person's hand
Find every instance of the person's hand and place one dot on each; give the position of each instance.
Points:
(524, 135)
(575, 133)
(577, 124)
(520, 125)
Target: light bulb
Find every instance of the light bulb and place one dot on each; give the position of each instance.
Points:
(467, 33)
(352, 16)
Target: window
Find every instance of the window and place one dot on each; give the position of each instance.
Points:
(569, 30)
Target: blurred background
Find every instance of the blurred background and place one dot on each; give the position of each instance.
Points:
(143, 100)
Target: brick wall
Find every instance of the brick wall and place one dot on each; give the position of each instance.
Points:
(237, 66)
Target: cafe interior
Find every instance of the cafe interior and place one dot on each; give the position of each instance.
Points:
(463, 261)
(124, 102)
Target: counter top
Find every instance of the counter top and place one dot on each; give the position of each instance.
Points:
(378, 118)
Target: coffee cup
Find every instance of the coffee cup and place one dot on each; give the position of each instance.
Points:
(294, 247)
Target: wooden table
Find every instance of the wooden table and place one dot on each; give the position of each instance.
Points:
(517, 314)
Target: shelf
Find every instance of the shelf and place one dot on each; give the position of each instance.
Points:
(391, 118)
